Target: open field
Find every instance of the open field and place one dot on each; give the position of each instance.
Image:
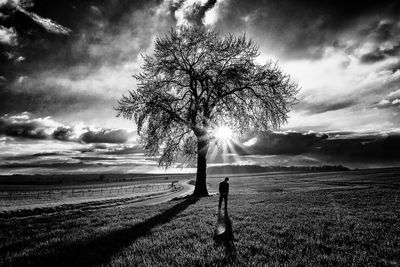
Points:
(17, 200)
(26, 192)
(343, 218)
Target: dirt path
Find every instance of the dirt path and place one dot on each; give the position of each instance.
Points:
(187, 189)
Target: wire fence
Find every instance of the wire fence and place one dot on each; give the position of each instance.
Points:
(90, 192)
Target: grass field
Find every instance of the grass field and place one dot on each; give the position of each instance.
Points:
(349, 218)
(27, 200)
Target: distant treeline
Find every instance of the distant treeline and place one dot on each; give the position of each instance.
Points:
(258, 168)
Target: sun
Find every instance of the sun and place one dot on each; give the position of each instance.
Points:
(223, 133)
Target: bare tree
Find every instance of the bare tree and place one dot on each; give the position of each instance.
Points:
(196, 81)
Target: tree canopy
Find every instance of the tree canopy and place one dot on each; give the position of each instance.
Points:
(197, 80)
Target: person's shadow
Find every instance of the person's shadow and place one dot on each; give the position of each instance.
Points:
(225, 237)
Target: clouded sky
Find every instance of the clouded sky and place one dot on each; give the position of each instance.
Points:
(72, 60)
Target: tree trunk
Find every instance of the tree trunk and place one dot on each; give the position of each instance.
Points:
(202, 148)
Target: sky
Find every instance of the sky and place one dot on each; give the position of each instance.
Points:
(64, 64)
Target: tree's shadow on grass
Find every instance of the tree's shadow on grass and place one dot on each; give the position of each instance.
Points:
(226, 238)
(99, 250)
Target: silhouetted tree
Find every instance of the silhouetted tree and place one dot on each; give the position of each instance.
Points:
(196, 81)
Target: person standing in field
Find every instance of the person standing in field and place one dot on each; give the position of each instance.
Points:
(223, 193)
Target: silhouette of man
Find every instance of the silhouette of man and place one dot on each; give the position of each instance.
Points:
(223, 193)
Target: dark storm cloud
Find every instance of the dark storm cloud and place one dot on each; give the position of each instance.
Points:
(373, 57)
(334, 147)
(67, 40)
(372, 148)
(92, 21)
(105, 136)
(34, 35)
(302, 28)
(386, 35)
(285, 143)
(321, 107)
(47, 24)
(381, 30)
(23, 126)
(63, 133)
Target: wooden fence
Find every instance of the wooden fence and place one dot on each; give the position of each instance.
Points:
(88, 192)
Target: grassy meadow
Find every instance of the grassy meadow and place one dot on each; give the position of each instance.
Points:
(343, 218)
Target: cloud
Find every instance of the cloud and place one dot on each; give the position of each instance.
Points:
(20, 59)
(2, 79)
(22, 3)
(212, 15)
(300, 28)
(321, 107)
(388, 103)
(8, 36)
(383, 102)
(384, 41)
(47, 24)
(321, 44)
(105, 136)
(283, 143)
(24, 126)
(338, 91)
(378, 148)
(359, 149)
(191, 12)
(87, 71)
(395, 93)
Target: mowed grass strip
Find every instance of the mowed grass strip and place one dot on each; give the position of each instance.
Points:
(319, 227)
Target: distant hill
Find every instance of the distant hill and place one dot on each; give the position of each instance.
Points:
(258, 168)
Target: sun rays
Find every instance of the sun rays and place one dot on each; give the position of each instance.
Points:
(223, 133)
(225, 146)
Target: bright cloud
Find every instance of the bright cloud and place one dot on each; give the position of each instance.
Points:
(26, 127)
(8, 36)
(48, 24)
